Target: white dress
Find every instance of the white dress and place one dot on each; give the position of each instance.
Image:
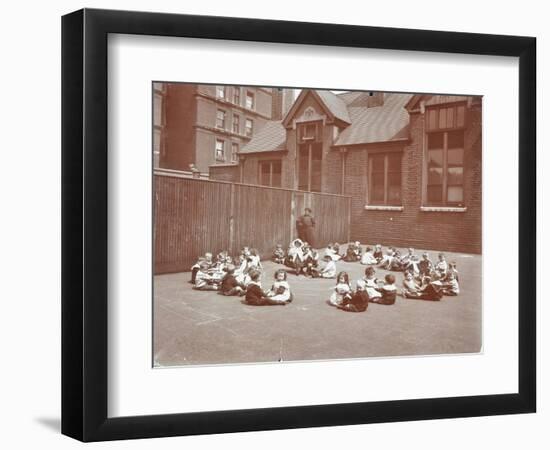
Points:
(284, 291)
(368, 258)
(340, 291)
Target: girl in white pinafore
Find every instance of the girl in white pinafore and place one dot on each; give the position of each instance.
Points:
(280, 290)
(342, 290)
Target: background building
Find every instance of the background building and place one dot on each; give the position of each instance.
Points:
(411, 163)
(207, 125)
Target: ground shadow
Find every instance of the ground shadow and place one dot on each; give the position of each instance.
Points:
(53, 423)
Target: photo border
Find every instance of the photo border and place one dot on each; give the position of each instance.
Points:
(84, 224)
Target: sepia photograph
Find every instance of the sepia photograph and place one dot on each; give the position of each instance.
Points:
(305, 224)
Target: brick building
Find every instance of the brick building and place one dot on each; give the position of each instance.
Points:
(412, 163)
(207, 125)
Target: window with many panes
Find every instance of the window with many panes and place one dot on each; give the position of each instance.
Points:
(445, 156)
(249, 127)
(385, 179)
(250, 100)
(234, 152)
(237, 95)
(310, 156)
(270, 173)
(236, 124)
(158, 121)
(220, 150)
(220, 119)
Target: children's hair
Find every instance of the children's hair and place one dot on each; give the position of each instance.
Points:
(308, 210)
(378, 246)
(254, 275)
(204, 265)
(441, 255)
(390, 279)
(342, 274)
(253, 252)
(230, 269)
(368, 249)
(425, 255)
(327, 258)
(277, 272)
(279, 246)
(370, 271)
(207, 254)
(411, 250)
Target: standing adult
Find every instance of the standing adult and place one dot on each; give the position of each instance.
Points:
(305, 226)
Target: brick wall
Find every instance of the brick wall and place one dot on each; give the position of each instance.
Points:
(450, 231)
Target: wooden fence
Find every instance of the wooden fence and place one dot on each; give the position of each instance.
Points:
(193, 216)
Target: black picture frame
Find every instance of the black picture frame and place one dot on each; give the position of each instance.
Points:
(84, 224)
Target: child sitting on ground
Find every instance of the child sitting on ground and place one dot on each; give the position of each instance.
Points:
(359, 301)
(425, 267)
(441, 266)
(280, 290)
(371, 283)
(330, 251)
(203, 280)
(450, 285)
(255, 296)
(388, 291)
(342, 290)
(378, 254)
(387, 259)
(279, 255)
(195, 268)
(311, 260)
(412, 290)
(327, 271)
(254, 262)
(353, 252)
(368, 257)
(230, 285)
(410, 261)
(295, 255)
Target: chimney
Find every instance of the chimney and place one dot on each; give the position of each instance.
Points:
(375, 99)
(281, 101)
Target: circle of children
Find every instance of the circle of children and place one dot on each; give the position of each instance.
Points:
(422, 279)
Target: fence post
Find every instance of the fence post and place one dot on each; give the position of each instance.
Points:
(232, 250)
(292, 214)
(349, 219)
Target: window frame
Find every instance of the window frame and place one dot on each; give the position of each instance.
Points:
(234, 157)
(271, 162)
(216, 150)
(247, 120)
(250, 94)
(223, 119)
(236, 120)
(370, 179)
(223, 90)
(444, 131)
(237, 95)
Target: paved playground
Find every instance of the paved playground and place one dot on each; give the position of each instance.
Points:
(197, 327)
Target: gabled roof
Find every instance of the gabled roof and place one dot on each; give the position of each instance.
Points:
(434, 99)
(271, 137)
(334, 105)
(388, 122)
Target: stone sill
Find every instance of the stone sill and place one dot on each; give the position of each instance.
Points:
(383, 208)
(450, 209)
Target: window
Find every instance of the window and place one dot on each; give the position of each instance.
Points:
(445, 169)
(157, 110)
(220, 119)
(446, 118)
(237, 95)
(158, 123)
(249, 127)
(236, 124)
(220, 150)
(270, 173)
(220, 92)
(234, 152)
(310, 156)
(385, 179)
(250, 100)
